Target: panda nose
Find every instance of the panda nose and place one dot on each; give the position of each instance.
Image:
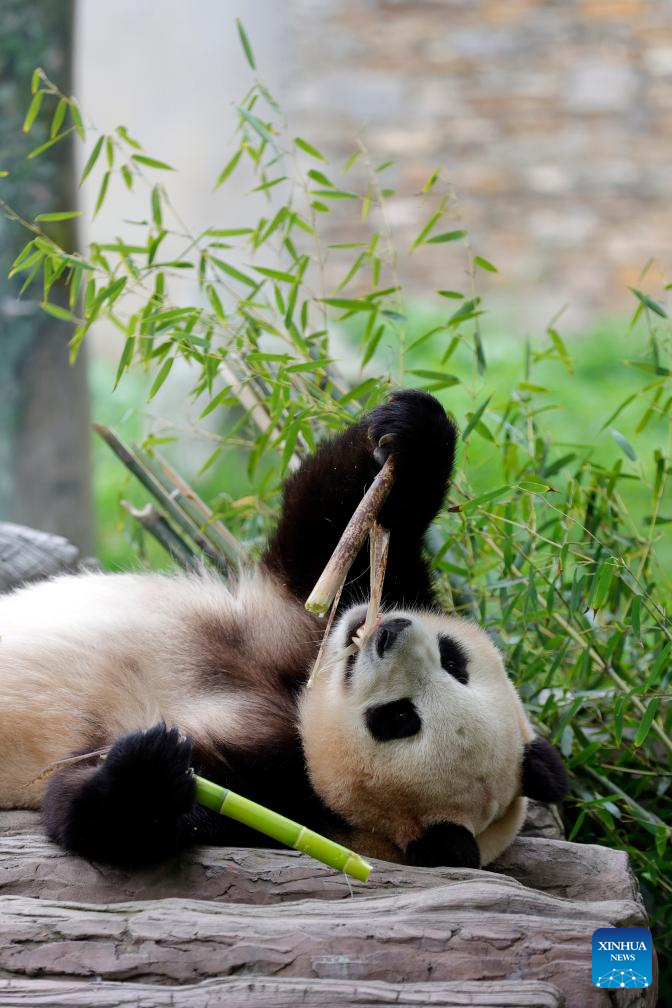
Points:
(388, 633)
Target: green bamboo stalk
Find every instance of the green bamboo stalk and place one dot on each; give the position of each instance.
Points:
(140, 471)
(286, 831)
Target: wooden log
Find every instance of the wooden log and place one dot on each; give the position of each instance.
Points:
(466, 931)
(17, 821)
(573, 871)
(279, 992)
(31, 866)
(28, 555)
(542, 821)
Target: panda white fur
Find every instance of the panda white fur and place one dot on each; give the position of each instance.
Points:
(417, 748)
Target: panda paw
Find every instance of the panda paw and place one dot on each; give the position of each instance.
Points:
(411, 427)
(132, 809)
(151, 770)
(444, 845)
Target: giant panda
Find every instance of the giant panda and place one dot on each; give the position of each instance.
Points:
(416, 748)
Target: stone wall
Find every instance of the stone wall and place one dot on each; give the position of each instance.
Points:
(553, 119)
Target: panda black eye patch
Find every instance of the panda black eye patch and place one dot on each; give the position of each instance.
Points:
(453, 659)
(395, 720)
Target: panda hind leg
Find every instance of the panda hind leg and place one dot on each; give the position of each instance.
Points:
(134, 808)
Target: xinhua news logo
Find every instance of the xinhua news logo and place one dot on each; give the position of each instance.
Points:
(622, 957)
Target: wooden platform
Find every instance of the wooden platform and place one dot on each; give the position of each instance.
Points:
(246, 927)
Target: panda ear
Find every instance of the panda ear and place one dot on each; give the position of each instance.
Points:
(544, 776)
(444, 845)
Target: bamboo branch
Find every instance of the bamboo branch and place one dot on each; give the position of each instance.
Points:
(193, 519)
(350, 543)
(136, 465)
(157, 526)
(214, 528)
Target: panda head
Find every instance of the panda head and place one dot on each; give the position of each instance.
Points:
(420, 738)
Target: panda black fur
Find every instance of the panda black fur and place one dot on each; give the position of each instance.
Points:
(416, 749)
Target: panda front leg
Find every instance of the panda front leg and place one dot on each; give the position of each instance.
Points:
(318, 500)
(133, 808)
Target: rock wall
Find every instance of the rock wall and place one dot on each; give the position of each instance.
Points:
(552, 118)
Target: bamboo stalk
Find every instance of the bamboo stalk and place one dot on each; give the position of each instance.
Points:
(150, 482)
(379, 539)
(157, 526)
(193, 520)
(350, 543)
(214, 528)
(277, 826)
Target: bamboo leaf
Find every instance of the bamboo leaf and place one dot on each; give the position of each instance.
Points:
(58, 312)
(434, 219)
(92, 158)
(125, 359)
(320, 178)
(50, 143)
(648, 302)
(350, 304)
(151, 162)
(76, 117)
(245, 42)
(274, 274)
(102, 192)
(156, 207)
(309, 149)
(438, 378)
(58, 117)
(447, 236)
(623, 444)
(33, 109)
(484, 264)
(475, 417)
(60, 215)
(603, 582)
(163, 373)
(485, 498)
(257, 125)
(646, 722)
(228, 169)
(233, 272)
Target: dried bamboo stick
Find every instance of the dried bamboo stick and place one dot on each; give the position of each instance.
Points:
(214, 528)
(350, 543)
(193, 520)
(379, 539)
(164, 533)
(150, 482)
